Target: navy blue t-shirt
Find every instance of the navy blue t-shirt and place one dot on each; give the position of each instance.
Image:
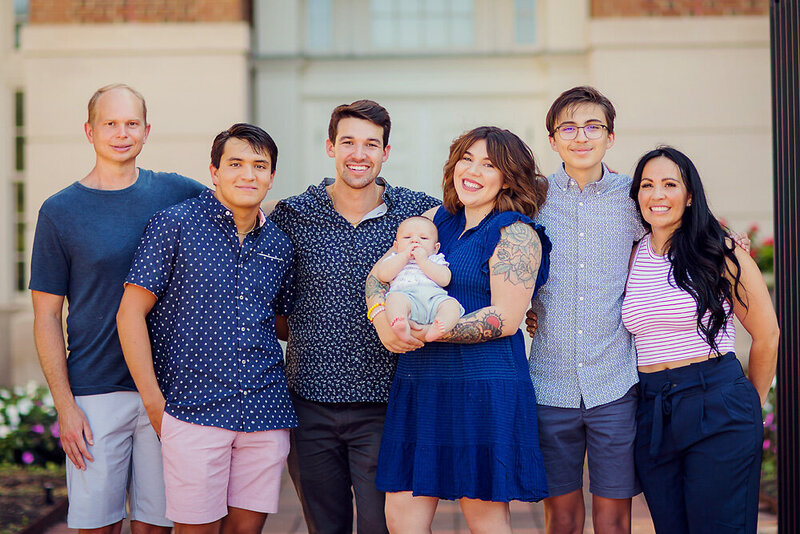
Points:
(83, 247)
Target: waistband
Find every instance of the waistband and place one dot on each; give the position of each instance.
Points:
(662, 386)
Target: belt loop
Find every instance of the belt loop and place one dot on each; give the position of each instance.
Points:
(702, 377)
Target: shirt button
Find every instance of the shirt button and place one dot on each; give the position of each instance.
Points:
(580, 203)
(243, 329)
(580, 298)
(581, 234)
(580, 364)
(581, 266)
(580, 331)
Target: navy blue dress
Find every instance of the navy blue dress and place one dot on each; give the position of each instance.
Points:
(462, 419)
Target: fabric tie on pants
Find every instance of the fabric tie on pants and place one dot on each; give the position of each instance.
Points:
(663, 407)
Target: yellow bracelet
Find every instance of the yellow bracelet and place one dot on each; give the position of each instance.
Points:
(377, 312)
(369, 312)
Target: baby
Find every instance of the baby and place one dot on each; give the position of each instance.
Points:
(416, 274)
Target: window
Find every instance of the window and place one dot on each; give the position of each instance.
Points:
(20, 18)
(422, 24)
(18, 196)
(525, 21)
(319, 18)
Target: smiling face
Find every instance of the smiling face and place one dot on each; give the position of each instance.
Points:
(476, 179)
(244, 176)
(663, 196)
(582, 155)
(358, 152)
(417, 231)
(118, 131)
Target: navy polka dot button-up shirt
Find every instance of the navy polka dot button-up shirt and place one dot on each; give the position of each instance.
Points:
(215, 351)
(334, 354)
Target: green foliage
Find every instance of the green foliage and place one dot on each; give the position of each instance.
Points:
(29, 427)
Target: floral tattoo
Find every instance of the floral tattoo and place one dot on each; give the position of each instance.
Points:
(518, 255)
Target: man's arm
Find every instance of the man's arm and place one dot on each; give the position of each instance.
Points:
(48, 334)
(135, 340)
(375, 291)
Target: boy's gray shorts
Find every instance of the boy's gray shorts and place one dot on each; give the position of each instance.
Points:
(604, 434)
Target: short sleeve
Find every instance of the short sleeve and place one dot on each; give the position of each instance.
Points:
(154, 259)
(50, 262)
(284, 300)
(439, 259)
(507, 218)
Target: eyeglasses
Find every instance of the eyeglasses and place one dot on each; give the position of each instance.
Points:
(591, 131)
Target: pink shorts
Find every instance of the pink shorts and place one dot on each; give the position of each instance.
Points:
(207, 469)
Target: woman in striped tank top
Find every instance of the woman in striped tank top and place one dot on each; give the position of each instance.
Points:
(699, 436)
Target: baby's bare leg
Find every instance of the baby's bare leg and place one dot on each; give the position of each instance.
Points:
(447, 315)
(398, 306)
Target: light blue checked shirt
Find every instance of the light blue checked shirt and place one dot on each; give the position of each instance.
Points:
(581, 349)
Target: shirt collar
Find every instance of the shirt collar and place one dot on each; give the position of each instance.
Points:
(379, 211)
(216, 210)
(563, 179)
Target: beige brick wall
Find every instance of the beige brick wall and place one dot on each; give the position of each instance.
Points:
(115, 11)
(677, 8)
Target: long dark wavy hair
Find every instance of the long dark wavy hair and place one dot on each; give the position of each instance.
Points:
(699, 250)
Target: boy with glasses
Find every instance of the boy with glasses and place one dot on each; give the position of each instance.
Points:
(583, 362)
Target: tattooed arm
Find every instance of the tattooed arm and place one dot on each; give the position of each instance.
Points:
(513, 269)
(375, 292)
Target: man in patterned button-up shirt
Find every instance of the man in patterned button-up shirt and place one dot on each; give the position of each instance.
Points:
(339, 372)
(214, 271)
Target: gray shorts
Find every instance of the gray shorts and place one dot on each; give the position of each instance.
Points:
(127, 463)
(425, 301)
(604, 434)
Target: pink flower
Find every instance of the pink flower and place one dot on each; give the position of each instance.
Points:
(54, 429)
(768, 419)
(38, 429)
(753, 228)
(767, 444)
(769, 242)
(27, 457)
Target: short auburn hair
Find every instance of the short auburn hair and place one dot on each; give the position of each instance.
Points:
(526, 189)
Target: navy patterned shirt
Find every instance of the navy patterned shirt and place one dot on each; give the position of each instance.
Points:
(334, 354)
(215, 351)
(581, 350)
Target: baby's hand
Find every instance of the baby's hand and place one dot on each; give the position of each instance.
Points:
(418, 253)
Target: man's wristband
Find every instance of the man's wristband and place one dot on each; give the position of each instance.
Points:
(377, 308)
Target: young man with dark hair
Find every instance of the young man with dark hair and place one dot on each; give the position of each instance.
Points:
(583, 362)
(339, 373)
(85, 239)
(206, 283)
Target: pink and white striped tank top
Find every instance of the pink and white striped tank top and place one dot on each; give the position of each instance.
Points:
(661, 316)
